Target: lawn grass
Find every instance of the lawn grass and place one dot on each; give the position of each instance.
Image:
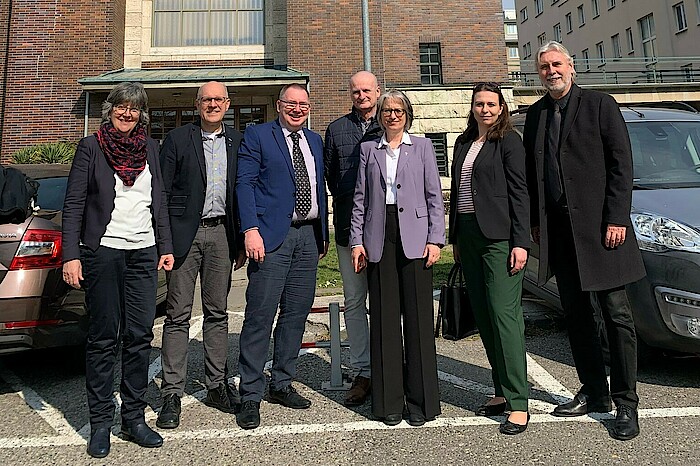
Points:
(329, 275)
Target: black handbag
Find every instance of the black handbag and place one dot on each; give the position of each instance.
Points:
(455, 311)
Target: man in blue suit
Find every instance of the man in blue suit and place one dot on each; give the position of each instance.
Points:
(284, 218)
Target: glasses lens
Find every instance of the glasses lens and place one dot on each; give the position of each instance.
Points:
(292, 105)
(398, 111)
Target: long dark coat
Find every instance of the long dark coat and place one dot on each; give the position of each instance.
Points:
(596, 163)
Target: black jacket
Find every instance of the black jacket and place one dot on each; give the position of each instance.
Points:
(185, 179)
(499, 190)
(341, 157)
(89, 202)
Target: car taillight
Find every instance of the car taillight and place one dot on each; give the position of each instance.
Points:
(39, 249)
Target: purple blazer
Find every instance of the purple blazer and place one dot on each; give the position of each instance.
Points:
(418, 199)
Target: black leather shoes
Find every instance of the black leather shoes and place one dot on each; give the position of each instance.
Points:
(583, 404)
(98, 446)
(626, 425)
(511, 428)
(394, 419)
(491, 410)
(224, 398)
(249, 415)
(169, 416)
(288, 397)
(416, 419)
(142, 435)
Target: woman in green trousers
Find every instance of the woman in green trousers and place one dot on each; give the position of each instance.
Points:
(490, 226)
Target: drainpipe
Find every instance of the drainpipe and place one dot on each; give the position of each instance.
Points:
(87, 114)
(365, 35)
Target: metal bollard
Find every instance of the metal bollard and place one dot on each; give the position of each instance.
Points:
(336, 382)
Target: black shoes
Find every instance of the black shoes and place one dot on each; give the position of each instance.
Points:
(583, 404)
(394, 419)
(416, 419)
(491, 410)
(225, 398)
(249, 415)
(142, 435)
(626, 425)
(98, 445)
(511, 428)
(169, 416)
(288, 397)
(358, 393)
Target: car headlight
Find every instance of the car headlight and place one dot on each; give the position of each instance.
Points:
(658, 234)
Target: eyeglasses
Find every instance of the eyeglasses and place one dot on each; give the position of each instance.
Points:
(290, 105)
(398, 111)
(122, 109)
(214, 100)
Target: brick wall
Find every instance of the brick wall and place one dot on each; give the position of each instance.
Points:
(53, 43)
(4, 39)
(325, 39)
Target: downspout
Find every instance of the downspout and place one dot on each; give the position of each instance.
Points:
(365, 35)
(87, 114)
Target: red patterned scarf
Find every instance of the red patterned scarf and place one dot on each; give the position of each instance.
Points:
(126, 155)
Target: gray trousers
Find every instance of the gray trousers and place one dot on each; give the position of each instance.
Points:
(208, 257)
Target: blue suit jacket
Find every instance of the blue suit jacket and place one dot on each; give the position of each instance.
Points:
(265, 184)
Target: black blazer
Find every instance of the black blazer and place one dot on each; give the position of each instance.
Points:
(596, 162)
(185, 179)
(499, 190)
(89, 201)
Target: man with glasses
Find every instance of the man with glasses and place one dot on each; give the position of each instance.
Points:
(282, 206)
(341, 159)
(199, 171)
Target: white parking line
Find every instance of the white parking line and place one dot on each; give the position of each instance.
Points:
(544, 379)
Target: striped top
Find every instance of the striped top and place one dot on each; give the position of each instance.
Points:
(465, 202)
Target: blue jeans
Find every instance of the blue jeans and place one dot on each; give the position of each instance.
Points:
(287, 277)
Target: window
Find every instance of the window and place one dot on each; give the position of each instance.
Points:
(586, 62)
(557, 32)
(688, 72)
(611, 4)
(539, 7)
(581, 16)
(191, 23)
(648, 33)
(513, 52)
(511, 29)
(541, 39)
(430, 63)
(523, 15)
(165, 119)
(595, 11)
(630, 40)
(570, 24)
(600, 49)
(616, 48)
(527, 50)
(679, 13)
(439, 141)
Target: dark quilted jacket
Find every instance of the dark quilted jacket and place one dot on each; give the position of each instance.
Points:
(341, 158)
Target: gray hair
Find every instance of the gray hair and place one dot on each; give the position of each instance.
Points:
(133, 94)
(398, 95)
(553, 45)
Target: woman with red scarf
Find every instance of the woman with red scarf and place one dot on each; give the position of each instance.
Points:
(116, 236)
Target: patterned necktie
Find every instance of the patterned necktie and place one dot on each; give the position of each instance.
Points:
(552, 170)
(301, 175)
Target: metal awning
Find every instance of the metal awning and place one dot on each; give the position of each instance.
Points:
(233, 76)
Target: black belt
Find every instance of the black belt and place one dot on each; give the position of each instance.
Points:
(212, 221)
(301, 223)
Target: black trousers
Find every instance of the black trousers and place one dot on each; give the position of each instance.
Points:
(583, 328)
(120, 293)
(403, 360)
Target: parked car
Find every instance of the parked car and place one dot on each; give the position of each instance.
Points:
(37, 308)
(666, 222)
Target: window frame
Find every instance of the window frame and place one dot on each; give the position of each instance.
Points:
(595, 9)
(586, 60)
(556, 32)
(680, 16)
(616, 46)
(568, 20)
(430, 49)
(581, 15)
(442, 158)
(539, 7)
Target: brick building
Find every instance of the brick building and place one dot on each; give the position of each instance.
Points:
(59, 58)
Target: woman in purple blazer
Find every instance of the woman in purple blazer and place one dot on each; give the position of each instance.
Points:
(398, 228)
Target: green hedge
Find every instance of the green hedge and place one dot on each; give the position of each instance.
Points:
(50, 152)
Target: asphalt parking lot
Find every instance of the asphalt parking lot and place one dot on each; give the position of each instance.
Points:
(44, 412)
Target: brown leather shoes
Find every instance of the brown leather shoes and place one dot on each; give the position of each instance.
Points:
(359, 391)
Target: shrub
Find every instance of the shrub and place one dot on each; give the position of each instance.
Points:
(50, 152)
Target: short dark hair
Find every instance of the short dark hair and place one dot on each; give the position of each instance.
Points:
(292, 86)
(502, 124)
(133, 94)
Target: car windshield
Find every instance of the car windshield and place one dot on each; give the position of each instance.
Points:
(52, 191)
(666, 153)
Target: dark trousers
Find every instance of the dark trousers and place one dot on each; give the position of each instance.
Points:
(287, 277)
(583, 329)
(404, 366)
(495, 298)
(208, 257)
(120, 293)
